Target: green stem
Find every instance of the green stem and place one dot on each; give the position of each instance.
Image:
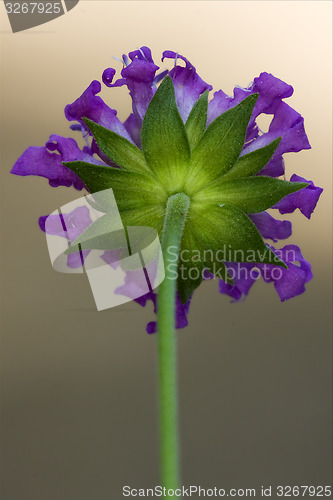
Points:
(177, 208)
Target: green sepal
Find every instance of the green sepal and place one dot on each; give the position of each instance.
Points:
(229, 232)
(120, 151)
(220, 145)
(250, 194)
(253, 162)
(132, 190)
(164, 139)
(196, 122)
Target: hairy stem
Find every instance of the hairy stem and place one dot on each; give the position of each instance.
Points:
(177, 208)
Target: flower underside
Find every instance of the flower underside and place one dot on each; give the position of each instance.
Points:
(203, 162)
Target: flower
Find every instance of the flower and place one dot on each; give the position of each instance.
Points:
(177, 140)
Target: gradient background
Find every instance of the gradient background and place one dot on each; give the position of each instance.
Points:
(79, 416)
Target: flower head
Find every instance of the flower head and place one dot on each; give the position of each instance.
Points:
(178, 141)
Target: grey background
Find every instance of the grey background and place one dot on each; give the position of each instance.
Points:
(79, 407)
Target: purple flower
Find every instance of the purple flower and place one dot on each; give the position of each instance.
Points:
(141, 76)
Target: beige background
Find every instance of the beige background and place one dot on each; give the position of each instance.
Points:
(79, 387)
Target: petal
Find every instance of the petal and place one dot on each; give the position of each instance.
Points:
(188, 84)
(274, 168)
(288, 282)
(244, 276)
(75, 223)
(46, 161)
(181, 316)
(90, 105)
(271, 228)
(133, 127)
(306, 199)
(289, 125)
(139, 77)
(107, 76)
(271, 91)
(218, 105)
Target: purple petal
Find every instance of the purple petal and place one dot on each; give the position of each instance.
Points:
(306, 199)
(289, 125)
(188, 84)
(46, 161)
(138, 76)
(274, 168)
(90, 105)
(73, 223)
(69, 226)
(271, 92)
(244, 275)
(133, 127)
(220, 103)
(288, 282)
(107, 76)
(181, 315)
(271, 228)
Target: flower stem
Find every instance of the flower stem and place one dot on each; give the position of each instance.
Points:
(177, 208)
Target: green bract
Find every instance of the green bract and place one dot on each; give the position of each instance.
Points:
(203, 163)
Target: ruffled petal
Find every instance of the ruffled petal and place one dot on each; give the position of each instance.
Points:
(69, 226)
(289, 125)
(271, 228)
(46, 161)
(90, 105)
(138, 75)
(288, 282)
(188, 84)
(271, 91)
(305, 200)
